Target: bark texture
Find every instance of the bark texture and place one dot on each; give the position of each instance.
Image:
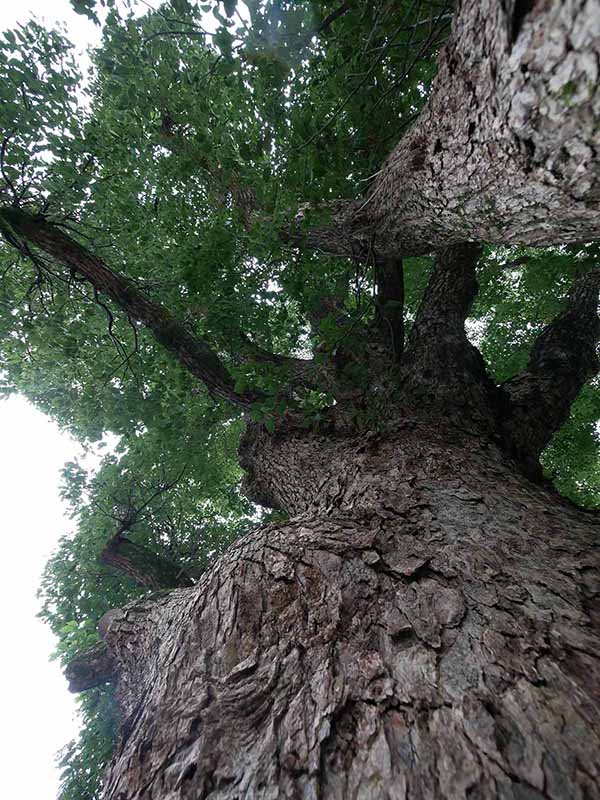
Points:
(506, 148)
(425, 626)
(441, 368)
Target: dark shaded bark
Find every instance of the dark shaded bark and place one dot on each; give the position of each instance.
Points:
(426, 626)
(90, 668)
(441, 368)
(389, 286)
(193, 352)
(146, 568)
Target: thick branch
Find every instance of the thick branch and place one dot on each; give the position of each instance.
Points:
(146, 568)
(192, 351)
(90, 668)
(505, 149)
(439, 330)
(441, 366)
(331, 18)
(301, 371)
(563, 358)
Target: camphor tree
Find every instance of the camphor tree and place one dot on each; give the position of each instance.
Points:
(274, 234)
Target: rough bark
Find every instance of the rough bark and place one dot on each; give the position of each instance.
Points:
(441, 368)
(425, 626)
(506, 148)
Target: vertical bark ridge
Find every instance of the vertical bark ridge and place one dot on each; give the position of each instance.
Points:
(562, 359)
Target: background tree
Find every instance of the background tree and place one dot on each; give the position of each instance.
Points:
(421, 597)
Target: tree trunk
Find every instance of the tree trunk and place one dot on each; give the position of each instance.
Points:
(425, 625)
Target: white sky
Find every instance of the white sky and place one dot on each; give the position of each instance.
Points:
(37, 710)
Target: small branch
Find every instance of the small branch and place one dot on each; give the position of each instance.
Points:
(562, 359)
(176, 33)
(7, 180)
(301, 371)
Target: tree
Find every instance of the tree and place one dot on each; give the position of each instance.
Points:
(417, 616)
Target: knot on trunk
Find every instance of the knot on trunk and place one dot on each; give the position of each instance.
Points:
(92, 667)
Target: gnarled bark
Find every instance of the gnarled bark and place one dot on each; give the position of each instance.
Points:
(506, 148)
(425, 626)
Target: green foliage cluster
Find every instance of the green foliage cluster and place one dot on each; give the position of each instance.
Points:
(156, 164)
